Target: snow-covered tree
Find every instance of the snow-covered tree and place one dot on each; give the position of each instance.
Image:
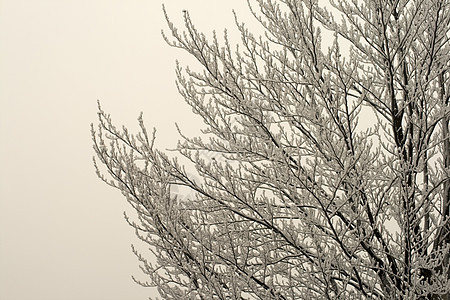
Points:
(330, 177)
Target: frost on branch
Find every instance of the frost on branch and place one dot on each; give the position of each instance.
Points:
(320, 174)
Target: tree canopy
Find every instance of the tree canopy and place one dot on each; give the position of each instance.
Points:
(320, 173)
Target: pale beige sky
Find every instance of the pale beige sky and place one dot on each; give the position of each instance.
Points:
(62, 232)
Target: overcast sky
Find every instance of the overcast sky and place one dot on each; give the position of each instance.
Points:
(62, 232)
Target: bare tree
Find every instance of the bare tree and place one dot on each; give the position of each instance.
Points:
(303, 199)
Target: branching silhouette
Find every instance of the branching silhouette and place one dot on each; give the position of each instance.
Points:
(321, 173)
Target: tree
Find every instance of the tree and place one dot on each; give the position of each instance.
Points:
(302, 200)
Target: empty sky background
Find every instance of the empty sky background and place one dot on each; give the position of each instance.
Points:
(62, 232)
